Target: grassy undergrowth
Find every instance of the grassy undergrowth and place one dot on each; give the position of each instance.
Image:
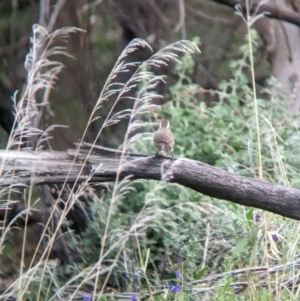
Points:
(156, 240)
(215, 237)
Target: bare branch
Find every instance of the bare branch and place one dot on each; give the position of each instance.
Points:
(273, 10)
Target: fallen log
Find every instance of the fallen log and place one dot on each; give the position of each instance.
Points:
(103, 165)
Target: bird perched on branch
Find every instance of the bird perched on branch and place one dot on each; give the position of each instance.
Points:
(164, 139)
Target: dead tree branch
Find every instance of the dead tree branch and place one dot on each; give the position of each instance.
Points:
(103, 165)
(273, 10)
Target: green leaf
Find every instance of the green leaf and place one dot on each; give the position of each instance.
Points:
(240, 246)
(249, 214)
(199, 274)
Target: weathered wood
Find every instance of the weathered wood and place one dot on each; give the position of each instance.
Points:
(103, 165)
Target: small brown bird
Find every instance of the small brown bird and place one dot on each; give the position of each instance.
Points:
(164, 139)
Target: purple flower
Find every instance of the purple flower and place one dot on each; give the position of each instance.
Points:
(274, 237)
(178, 274)
(180, 261)
(133, 297)
(174, 289)
(87, 297)
(257, 217)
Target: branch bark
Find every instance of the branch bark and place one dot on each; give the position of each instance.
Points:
(274, 11)
(103, 165)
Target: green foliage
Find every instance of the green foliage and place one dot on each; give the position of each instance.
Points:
(224, 134)
(182, 229)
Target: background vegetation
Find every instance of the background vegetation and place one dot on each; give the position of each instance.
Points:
(146, 239)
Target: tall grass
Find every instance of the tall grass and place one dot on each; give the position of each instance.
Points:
(38, 280)
(149, 239)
